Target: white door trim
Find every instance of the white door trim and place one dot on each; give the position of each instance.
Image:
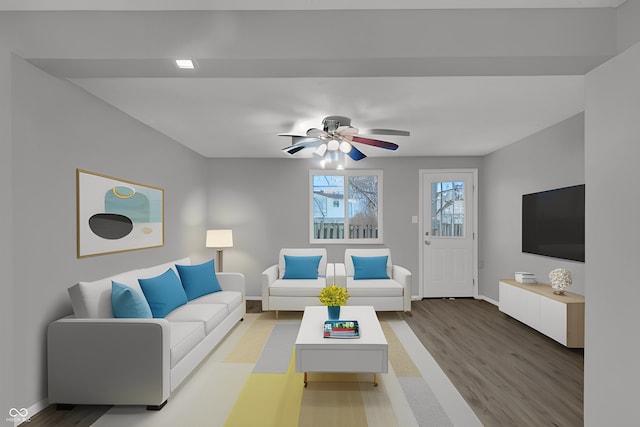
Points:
(421, 226)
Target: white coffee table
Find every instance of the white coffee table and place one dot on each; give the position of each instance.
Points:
(367, 354)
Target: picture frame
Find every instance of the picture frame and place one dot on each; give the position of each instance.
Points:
(116, 215)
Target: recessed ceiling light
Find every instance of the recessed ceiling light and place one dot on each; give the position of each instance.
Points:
(185, 63)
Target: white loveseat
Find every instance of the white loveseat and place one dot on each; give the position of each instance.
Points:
(293, 294)
(94, 358)
(392, 293)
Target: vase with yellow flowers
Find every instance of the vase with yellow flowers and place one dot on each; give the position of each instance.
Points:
(333, 297)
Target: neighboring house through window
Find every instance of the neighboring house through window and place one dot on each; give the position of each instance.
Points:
(346, 206)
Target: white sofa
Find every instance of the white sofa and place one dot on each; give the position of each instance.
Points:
(94, 358)
(281, 293)
(391, 294)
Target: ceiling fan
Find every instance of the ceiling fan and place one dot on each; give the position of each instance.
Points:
(338, 136)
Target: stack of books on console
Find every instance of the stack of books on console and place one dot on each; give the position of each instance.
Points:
(524, 277)
(341, 329)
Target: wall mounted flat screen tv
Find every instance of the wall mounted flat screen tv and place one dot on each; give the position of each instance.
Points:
(553, 223)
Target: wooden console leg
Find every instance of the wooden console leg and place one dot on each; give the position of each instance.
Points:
(375, 380)
(305, 379)
(276, 314)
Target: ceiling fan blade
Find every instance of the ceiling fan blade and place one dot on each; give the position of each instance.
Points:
(293, 149)
(376, 143)
(300, 143)
(356, 154)
(292, 134)
(347, 130)
(316, 133)
(384, 132)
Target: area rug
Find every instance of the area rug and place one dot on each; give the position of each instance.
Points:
(250, 380)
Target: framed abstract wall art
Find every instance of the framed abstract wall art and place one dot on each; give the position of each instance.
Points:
(115, 215)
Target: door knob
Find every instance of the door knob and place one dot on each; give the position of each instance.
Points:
(426, 242)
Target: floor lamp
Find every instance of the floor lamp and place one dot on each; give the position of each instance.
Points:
(219, 239)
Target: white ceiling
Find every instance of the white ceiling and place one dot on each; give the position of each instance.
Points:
(447, 116)
(222, 116)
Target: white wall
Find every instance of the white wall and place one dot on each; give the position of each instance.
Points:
(551, 158)
(7, 334)
(628, 28)
(58, 127)
(612, 150)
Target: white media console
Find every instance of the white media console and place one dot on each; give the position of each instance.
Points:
(560, 317)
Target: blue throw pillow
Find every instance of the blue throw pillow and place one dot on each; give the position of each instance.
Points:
(198, 280)
(164, 293)
(369, 267)
(128, 303)
(301, 267)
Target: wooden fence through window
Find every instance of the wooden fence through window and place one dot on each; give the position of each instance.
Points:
(335, 230)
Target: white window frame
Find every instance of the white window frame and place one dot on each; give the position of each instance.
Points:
(346, 174)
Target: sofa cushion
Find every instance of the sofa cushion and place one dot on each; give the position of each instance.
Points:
(128, 303)
(198, 280)
(322, 266)
(366, 252)
(184, 337)
(297, 288)
(369, 267)
(164, 293)
(232, 299)
(92, 300)
(374, 288)
(210, 314)
(301, 267)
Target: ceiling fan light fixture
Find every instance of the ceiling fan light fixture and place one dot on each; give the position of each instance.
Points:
(321, 150)
(345, 147)
(337, 139)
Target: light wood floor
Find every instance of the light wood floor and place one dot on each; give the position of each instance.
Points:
(508, 373)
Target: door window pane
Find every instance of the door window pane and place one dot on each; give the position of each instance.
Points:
(447, 209)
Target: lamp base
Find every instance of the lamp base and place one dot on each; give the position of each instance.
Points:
(218, 260)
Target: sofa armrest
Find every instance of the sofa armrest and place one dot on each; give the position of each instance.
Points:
(269, 276)
(232, 282)
(341, 275)
(109, 361)
(404, 277)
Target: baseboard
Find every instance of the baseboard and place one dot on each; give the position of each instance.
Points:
(489, 300)
(31, 411)
(248, 298)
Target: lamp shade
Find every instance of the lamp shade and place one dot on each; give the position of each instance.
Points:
(219, 239)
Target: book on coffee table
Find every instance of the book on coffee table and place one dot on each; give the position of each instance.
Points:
(341, 329)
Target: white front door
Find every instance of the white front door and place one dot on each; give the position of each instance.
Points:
(448, 233)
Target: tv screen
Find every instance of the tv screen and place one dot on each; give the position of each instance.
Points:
(553, 223)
